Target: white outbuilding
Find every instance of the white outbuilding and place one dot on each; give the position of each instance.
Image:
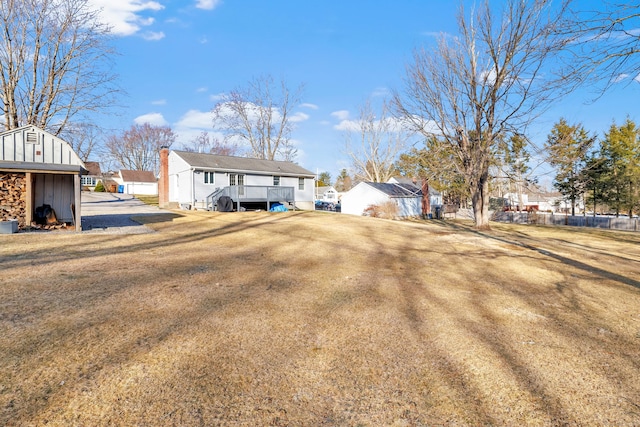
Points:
(407, 198)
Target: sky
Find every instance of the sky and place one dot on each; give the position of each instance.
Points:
(176, 57)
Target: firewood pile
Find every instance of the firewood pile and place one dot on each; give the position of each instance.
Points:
(13, 187)
(50, 227)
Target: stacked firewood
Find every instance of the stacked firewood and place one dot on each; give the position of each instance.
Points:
(13, 201)
(56, 226)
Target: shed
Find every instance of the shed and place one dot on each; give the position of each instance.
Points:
(407, 197)
(137, 182)
(37, 169)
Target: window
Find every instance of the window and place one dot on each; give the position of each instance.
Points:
(276, 180)
(209, 178)
(300, 183)
(89, 181)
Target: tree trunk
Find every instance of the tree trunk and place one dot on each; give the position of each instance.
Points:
(480, 198)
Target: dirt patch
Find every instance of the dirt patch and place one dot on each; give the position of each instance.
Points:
(304, 318)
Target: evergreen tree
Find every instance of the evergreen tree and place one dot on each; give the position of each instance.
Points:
(567, 146)
(593, 176)
(621, 150)
(324, 179)
(344, 181)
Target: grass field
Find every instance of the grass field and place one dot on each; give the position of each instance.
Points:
(309, 318)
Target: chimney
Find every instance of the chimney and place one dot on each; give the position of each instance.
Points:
(163, 183)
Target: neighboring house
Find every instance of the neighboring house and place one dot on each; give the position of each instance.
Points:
(197, 180)
(327, 194)
(407, 197)
(93, 176)
(37, 169)
(435, 197)
(136, 182)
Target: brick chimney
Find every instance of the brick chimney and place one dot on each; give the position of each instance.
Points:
(163, 182)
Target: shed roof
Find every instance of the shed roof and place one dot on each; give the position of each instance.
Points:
(137, 176)
(243, 164)
(396, 190)
(31, 148)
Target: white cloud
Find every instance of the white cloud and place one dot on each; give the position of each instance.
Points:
(156, 119)
(196, 119)
(153, 36)
(389, 124)
(341, 114)
(207, 4)
(299, 117)
(192, 124)
(310, 106)
(125, 16)
(348, 125)
(202, 89)
(159, 102)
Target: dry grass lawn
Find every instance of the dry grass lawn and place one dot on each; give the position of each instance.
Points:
(304, 319)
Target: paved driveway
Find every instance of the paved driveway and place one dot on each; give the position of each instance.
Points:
(111, 213)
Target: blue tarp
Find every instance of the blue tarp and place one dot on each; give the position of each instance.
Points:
(277, 207)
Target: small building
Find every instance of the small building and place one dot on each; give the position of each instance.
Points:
(93, 176)
(407, 198)
(38, 169)
(198, 180)
(327, 193)
(136, 182)
(435, 197)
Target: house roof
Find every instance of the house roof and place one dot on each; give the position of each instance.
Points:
(414, 182)
(243, 164)
(396, 190)
(137, 176)
(93, 168)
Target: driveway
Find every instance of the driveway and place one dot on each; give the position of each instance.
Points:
(111, 213)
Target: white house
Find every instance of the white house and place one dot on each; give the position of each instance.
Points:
(435, 197)
(407, 197)
(327, 193)
(137, 182)
(197, 180)
(38, 169)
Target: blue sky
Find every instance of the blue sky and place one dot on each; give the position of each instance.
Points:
(177, 56)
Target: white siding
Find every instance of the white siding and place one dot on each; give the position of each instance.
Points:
(180, 182)
(187, 186)
(142, 188)
(44, 148)
(356, 200)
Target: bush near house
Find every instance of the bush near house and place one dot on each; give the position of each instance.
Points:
(386, 210)
(99, 187)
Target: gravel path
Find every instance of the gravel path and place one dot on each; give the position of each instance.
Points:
(111, 213)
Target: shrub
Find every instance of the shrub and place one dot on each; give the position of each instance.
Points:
(99, 187)
(387, 210)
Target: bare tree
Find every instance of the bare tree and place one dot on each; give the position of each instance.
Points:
(54, 58)
(605, 41)
(205, 143)
(85, 139)
(138, 148)
(259, 116)
(491, 80)
(374, 143)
